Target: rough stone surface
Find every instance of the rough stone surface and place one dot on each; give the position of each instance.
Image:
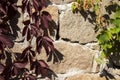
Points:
(75, 28)
(86, 77)
(75, 57)
(61, 1)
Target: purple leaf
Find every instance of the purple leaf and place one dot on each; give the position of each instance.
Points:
(29, 9)
(2, 10)
(39, 44)
(46, 17)
(45, 21)
(15, 71)
(43, 3)
(27, 22)
(1, 78)
(6, 41)
(33, 53)
(43, 64)
(27, 49)
(31, 77)
(48, 39)
(2, 50)
(46, 47)
(36, 5)
(24, 55)
(49, 42)
(20, 64)
(24, 6)
(24, 30)
(28, 34)
(2, 68)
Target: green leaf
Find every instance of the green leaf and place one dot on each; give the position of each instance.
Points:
(116, 22)
(118, 36)
(78, 1)
(98, 1)
(73, 7)
(105, 36)
(100, 60)
(103, 54)
(96, 7)
(117, 14)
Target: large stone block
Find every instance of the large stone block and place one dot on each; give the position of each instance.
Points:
(86, 77)
(61, 1)
(75, 57)
(75, 28)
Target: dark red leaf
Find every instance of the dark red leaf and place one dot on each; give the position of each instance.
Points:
(6, 41)
(33, 53)
(27, 49)
(20, 64)
(24, 6)
(47, 15)
(1, 78)
(43, 3)
(48, 39)
(49, 42)
(1, 68)
(2, 10)
(35, 30)
(2, 48)
(44, 72)
(43, 64)
(24, 55)
(29, 9)
(28, 34)
(32, 65)
(14, 6)
(37, 21)
(46, 18)
(39, 43)
(27, 22)
(8, 69)
(45, 21)
(25, 29)
(46, 47)
(36, 5)
(31, 77)
(15, 71)
(30, 57)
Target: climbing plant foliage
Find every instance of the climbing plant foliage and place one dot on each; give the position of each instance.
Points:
(26, 65)
(109, 39)
(108, 28)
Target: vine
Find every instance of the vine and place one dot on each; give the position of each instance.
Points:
(108, 36)
(26, 66)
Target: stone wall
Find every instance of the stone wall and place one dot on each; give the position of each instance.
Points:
(73, 36)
